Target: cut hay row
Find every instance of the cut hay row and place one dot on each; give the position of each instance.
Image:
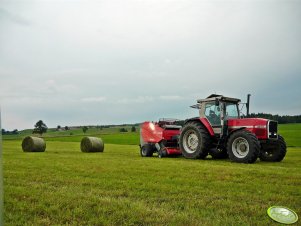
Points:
(33, 144)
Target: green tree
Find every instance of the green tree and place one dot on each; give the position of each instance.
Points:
(40, 128)
(85, 128)
(133, 129)
(123, 130)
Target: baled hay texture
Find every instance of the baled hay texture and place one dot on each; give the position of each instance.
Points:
(33, 144)
(92, 144)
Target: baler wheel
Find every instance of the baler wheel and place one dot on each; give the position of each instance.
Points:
(147, 150)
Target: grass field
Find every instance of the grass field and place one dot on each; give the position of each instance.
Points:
(64, 186)
(291, 133)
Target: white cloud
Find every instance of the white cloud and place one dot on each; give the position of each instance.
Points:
(175, 98)
(56, 60)
(138, 100)
(93, 99)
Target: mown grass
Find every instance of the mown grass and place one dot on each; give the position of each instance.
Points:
(63, 186)
(291, 133)
(66, 187)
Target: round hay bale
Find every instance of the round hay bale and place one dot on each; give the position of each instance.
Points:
(33, 144)
(92, 144)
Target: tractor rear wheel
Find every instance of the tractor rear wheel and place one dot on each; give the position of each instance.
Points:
(273, 152)
(243, 146)
(194, 141)
(147, 150)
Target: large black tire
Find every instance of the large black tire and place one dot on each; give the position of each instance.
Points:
(147, 150)
(218, 153)
(243, 146)
(194, 141)
(273, 151)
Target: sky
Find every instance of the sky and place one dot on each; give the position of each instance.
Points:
(127, 61)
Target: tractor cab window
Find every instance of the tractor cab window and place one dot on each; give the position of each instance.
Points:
(231, 111)
(212, 112)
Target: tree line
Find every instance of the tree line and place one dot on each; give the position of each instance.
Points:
(282, 119)
(6, 132)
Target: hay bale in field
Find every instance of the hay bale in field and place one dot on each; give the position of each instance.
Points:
(33, 144)
(92, 144)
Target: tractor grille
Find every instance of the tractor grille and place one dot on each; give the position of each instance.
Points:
(272, 130)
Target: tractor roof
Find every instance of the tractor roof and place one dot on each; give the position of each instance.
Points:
(213, 97)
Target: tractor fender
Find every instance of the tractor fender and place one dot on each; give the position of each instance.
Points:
(204, 122)
(233, 131)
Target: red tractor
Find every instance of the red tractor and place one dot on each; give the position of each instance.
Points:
(160, 137)
(222, 133)
(219, 131)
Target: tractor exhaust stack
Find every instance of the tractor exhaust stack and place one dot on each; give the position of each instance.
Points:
(248, 105)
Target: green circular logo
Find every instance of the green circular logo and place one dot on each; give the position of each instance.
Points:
(282, 215)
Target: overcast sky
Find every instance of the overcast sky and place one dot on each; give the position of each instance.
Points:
(126, 61)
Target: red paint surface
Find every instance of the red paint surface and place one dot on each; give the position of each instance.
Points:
(173, 151)
(153, 133)
(252, 125)
(207, 125)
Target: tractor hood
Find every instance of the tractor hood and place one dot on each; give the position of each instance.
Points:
(247, 123)
(262, 128)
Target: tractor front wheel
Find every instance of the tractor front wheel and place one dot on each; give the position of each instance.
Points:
(147, 150)
(243, 146)
(194, 141)
(273, 151)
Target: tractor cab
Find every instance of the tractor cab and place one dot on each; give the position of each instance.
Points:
(217, 109)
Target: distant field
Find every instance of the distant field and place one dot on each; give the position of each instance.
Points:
(291, 133)
(64, 186)
(109, 135)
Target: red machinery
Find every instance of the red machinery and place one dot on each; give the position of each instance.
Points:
(161, 137)
(220, 131)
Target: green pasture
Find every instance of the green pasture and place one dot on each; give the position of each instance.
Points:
(64, 186)
(291, 133)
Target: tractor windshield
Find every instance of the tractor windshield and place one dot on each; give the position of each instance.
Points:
(231, 110)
